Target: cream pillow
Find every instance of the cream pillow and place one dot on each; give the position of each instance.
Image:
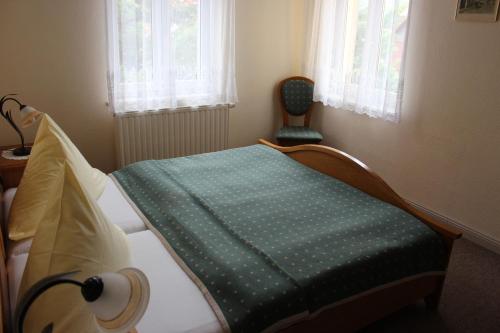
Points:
(42, 176)
(76, 238)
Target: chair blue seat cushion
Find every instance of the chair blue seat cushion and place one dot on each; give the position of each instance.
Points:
(299, 133)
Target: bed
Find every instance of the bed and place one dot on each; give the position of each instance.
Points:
(197, 311)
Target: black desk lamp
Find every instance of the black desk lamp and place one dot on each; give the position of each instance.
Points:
(28, 116)
(117, 300)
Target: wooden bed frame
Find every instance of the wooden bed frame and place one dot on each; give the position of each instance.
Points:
(351, 314)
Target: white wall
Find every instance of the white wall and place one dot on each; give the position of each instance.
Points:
(54, 55)
(445, 152)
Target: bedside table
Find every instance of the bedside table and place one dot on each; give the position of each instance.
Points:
(11, 171)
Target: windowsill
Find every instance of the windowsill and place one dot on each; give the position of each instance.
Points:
(174, 110)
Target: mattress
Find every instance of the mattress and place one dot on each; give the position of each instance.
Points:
(176, 303)
(113, 204)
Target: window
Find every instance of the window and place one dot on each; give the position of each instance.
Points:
(356, 54)
(170, 53)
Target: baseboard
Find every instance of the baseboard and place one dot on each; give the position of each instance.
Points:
(468, 233)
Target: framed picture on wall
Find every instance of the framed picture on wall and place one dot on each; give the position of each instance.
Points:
(477, 10)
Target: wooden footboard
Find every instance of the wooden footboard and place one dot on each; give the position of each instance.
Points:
(358, 312)
(361, 311)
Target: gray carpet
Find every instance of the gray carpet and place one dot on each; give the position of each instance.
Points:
(470, 300)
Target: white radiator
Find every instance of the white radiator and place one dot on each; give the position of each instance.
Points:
(170, 133)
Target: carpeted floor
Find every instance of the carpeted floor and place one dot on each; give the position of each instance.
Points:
(470, 300)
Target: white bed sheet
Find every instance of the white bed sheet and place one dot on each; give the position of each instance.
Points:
(176, 303)
(118, 210)
(15, 269)
(112, 202)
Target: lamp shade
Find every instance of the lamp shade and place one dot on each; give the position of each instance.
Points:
(29, 115)
(123, 301)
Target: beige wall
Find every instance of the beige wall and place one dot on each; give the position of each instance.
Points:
(445, 152)
(54, 56)
(267, 47)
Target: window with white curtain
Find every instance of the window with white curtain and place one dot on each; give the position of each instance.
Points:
(166, 54)
(356, 54)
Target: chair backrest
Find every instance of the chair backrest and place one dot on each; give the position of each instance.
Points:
(296, 98)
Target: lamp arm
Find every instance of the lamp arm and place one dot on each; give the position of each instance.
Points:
(7, 115)
(36, 291)
(5, 99)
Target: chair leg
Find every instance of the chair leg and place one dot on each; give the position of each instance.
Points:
(432, 300)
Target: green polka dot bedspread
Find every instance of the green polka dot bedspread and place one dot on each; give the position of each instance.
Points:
(272, 240)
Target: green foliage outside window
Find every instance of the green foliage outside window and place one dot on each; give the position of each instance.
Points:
(394, 18)
(136, 46)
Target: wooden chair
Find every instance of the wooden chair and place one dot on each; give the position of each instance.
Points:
(296, 98)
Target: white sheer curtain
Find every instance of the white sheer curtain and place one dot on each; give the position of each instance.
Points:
(170, 53)
(356, 54)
